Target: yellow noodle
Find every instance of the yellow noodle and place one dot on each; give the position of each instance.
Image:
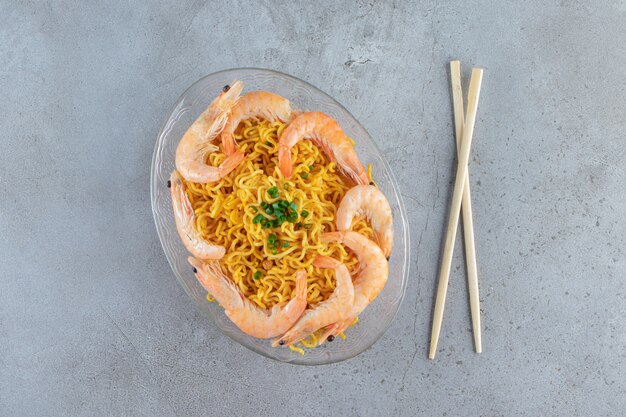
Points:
(369, 175)
(311, 341)
(297, 349)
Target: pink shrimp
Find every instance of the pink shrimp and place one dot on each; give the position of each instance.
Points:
(247, 316)
(195, 146)
(326, 133)
(369, 281)
(369, 201)
(332, 310)
(186, 222)
(263, 104)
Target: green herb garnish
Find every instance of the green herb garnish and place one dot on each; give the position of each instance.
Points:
(304, 175)
(257, 275)
(273, 192)
(257, 219)
(304, 213)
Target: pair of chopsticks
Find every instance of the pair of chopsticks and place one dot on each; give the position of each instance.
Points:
(464, 124)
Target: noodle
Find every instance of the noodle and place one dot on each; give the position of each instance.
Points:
(297, 349)
(225, 212)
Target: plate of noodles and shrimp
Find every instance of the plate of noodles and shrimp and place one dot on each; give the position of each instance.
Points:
(279, 216)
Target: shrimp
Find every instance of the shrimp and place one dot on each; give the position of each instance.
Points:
(332, 310)
(248, 317)
(195, 146)
(186, 222)
(263, 104)
(369, 201)
(369, 281)
(325, 132)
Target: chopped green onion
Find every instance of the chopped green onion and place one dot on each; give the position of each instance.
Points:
(268, 143)
(254, 209)
(293, 206)
(257, 219)
(273, 192)
(271, 238)
(310, 167)
(275, 206)
(304, 213)
(269, 210)
(299, 224)
(304, 175)
(286, 245)
(273, 251)
(263, 204)
(308, 225)
(276, 223)
(292, 217)
(283, 203)
(257, 275)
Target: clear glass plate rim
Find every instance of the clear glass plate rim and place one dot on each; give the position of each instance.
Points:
(379, 154)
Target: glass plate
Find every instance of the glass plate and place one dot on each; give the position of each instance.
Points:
(377, 317)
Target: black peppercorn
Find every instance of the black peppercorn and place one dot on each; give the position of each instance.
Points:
(330, 338)
(226, 88)
(169, 184)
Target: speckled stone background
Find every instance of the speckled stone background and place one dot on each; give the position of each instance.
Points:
(92, 321)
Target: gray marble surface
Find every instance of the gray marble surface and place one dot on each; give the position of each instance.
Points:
(92, 321)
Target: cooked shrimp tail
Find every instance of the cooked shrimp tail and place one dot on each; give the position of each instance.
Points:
(300, 293)
(285, 164)
(325, 262)
(186, 223)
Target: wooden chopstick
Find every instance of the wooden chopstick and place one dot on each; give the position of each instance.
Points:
(466, 209)
(455, 206)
